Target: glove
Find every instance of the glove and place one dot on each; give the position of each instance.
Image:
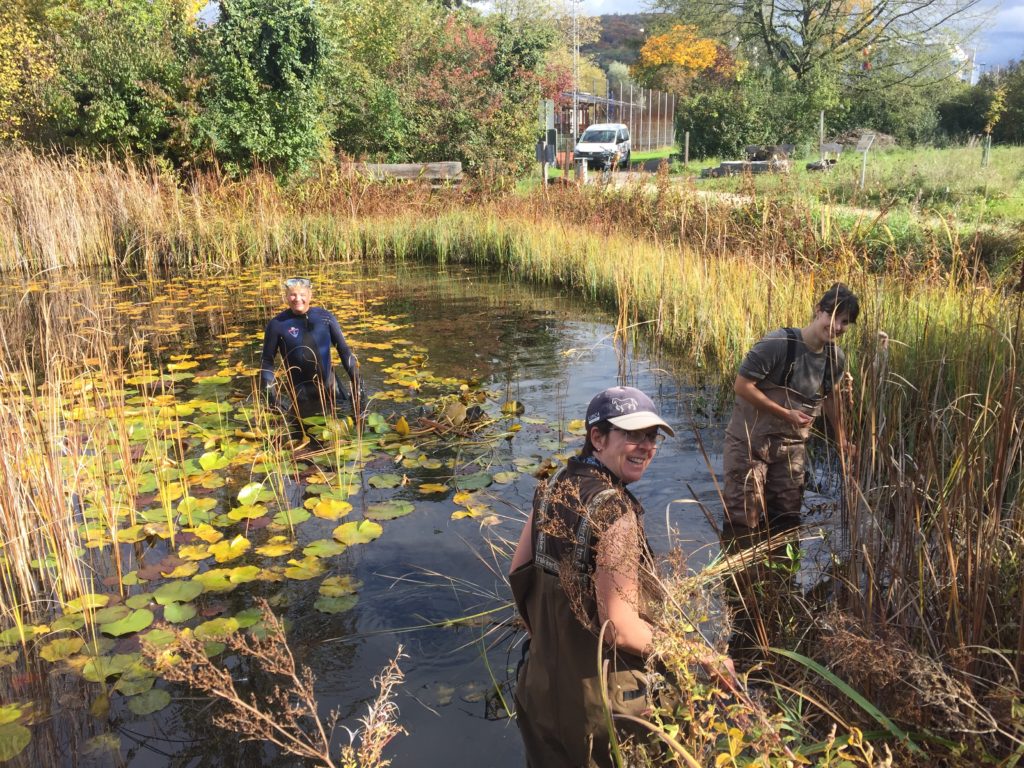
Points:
(271, 398)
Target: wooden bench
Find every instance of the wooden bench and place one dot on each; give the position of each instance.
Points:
(448, 172)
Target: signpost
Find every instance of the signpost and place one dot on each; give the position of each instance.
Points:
(863, 146)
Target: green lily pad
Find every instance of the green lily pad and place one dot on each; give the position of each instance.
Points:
(389, 510)
(99, 668)
(149, 702)
(253, 493)
(136, 680)
(213, 648)
(505, 477)
(134, 622)
(13, 739)
(473, 482)
(213, 460)
(69, 623)
(178, 592)
(336, 586)
(61, 648)
(247, 512)
(216, 629)
(335, 604)
(248, 617)
(305, 569)
(159, 637)
(386, 480)
(9, 713)
(12, 636)
(244, 574)
(215, 580)
(178, 613)
(84, 602)
(292, 516)
(113, 613)
(361, 532)
(8, 657)
(323, 548)
(140, 600)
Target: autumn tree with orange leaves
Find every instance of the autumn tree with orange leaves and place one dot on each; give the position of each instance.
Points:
(672, 61)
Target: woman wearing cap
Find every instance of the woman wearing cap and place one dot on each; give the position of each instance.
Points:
(583, 564)
(304, 335)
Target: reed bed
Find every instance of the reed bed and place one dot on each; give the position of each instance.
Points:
(931, 564)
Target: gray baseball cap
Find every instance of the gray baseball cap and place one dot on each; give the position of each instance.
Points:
(626, 408)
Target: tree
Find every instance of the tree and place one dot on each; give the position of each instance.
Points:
(125, 76)
(802, 35)
(672, 60)
(25, 67)
(265, 100)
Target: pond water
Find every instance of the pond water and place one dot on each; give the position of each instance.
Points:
(422, 336)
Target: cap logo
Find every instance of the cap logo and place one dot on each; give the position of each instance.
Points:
(625, 404)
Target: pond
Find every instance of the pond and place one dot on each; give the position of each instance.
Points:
(259, 519)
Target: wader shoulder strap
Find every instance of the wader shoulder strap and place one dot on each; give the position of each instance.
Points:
(792, 335)
(583, 534)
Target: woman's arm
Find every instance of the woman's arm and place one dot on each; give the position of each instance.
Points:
(748, 390)
(617, 583)
(524, 549)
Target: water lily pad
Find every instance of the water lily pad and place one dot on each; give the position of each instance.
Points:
(302, 570)
(99, 668)
(224, 551)
(178, 592)
(10, 713)
(428, 463)
(178, 613)
(215, 580)
(69, 623)
(385, 480)
(361, 532)
(329, 492)
(247, 512)
(253, 493)
(61, 648)
(513, 408)
(141, 600)
(244, 574)
(389, 510)
(433, 488)
(159, 637)
(113, 613)
(213, 648)
(134, 622)
(473, 482)
(13, 739)
(323, 548)
(276, 546)
(248, 617)
(194, 552)
(84, 602)
(335, 604)
(105, 745)
(136, 680)
(336, 586)
(505, 477)
(149, 702)
(213, 460)
(182, 571)
(8, 657)
(331, 509)
(292, 516)
(207, 533)
(216, 629)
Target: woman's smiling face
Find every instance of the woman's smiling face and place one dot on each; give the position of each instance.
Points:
(626, 460)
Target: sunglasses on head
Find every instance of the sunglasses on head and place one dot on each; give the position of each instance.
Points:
(298, 282)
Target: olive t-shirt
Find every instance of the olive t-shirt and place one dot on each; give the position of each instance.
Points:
(812, 374)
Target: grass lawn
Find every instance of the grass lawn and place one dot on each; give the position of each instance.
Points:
(939, 182)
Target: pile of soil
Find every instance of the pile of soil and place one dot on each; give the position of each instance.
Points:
(850, 138)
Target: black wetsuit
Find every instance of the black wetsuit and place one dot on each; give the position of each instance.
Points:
(305, 342)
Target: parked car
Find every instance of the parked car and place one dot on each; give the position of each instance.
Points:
(605, 145)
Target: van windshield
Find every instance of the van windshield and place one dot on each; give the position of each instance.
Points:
(597, 137)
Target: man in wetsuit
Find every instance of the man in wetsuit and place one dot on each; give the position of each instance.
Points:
(304, 336)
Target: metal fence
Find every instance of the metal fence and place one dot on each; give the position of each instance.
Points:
(650, 114)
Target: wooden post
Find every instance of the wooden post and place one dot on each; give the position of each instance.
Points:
(686, 149)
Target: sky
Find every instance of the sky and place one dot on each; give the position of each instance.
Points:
(1001, 41)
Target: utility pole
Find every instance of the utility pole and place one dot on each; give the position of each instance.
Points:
(575, 74)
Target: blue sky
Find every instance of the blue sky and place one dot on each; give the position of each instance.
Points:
(1001, 41)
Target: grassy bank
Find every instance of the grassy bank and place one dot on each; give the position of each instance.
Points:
(930, 574)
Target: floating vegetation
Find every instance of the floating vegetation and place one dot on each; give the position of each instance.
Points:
(150, 491)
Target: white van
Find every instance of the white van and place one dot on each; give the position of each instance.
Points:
(605, 145)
